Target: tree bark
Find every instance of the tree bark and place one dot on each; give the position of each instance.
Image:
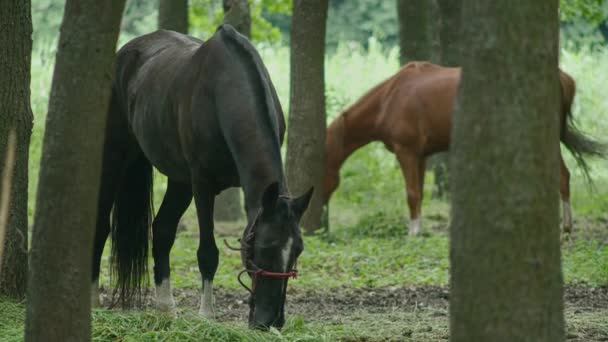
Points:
(58, 305)
(415, 30)
(306, 129)
(506, 278)
(238, 14)
(448, 55)
(16, 113)
(449, 31)
(173, 15)
(228, 204)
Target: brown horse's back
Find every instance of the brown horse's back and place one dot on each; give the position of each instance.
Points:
(417, 106)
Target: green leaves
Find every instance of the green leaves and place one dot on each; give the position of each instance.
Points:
(589, 9)
(206, 15)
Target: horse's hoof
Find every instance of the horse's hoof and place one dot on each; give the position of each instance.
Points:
(165, 306)
(207, 313)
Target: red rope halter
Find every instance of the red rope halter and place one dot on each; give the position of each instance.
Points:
(256, 271)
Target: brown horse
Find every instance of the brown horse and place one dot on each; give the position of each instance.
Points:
(411, 114)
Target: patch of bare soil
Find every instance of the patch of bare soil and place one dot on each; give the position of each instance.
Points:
(332, 304)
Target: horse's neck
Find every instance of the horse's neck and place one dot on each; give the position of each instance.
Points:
(256, 178)
(355, 128)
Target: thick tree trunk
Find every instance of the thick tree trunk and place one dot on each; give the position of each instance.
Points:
(58, 295)
(228, 205)
(238, 14)
(506, 278)
(16, 113)
(449, 52)
(173, 15)
(306, 129)
(449, 31)
(416, 28)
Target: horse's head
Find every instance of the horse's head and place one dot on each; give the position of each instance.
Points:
(273, 244)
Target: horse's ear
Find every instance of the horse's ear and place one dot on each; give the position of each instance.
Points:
(300, 204)
(271, 196)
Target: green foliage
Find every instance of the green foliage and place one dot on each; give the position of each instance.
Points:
(263, 30)
(590, 9)
(356, 21)
(206, 15)
(139, 17)
(46, 18)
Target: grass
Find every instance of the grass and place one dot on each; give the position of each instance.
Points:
(149, 326)
(377, 252)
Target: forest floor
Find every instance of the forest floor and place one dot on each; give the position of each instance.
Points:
(366, 280)
(395, 313)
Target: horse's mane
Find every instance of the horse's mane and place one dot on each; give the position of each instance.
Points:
(272, 114)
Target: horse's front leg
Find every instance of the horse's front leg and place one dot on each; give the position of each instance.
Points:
(177, 199)
(207, 254)
(565, 194)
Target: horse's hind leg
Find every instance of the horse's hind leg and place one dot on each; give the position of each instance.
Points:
(176, 201)
(412, 168)
(564, 187)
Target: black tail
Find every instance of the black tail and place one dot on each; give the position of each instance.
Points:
(131, 221)
(575, 141)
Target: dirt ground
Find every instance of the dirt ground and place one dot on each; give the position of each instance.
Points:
(419, 313)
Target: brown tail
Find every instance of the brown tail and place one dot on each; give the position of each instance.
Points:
(576, 142)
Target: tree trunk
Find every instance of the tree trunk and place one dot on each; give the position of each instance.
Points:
(238, 14)
(173, 15)
(449, 31)
(58, 295)
(419, 40)
(228, 205)
(306, 129)
(506, 278)
(16, 113)
(415, 30)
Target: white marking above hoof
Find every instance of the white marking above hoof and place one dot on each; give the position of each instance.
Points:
(164, 296)
(414, 227)
(206, 309)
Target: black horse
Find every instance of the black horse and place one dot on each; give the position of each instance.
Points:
(206, 115)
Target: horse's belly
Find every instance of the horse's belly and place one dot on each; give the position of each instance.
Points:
(162, 148)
